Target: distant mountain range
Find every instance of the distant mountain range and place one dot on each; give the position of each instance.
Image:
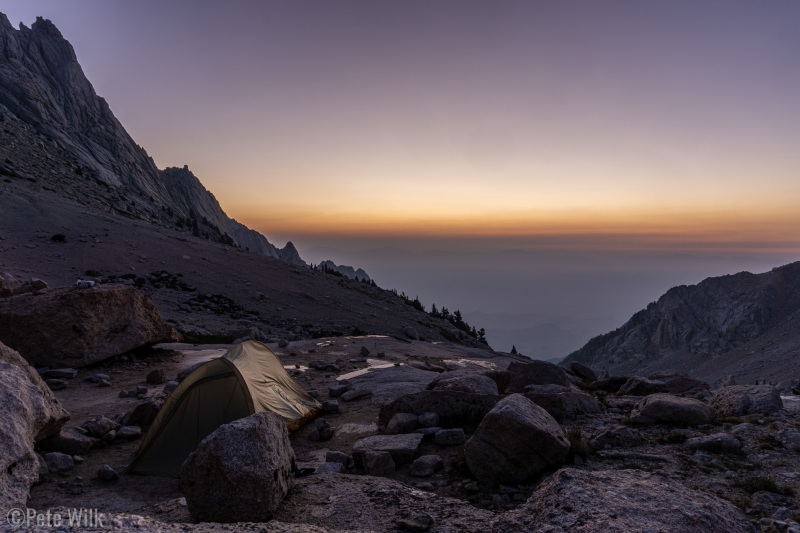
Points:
(42, 84)
(745, 325)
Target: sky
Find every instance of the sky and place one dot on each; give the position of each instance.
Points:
(529, 162)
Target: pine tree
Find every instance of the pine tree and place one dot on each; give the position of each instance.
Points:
(513, 349)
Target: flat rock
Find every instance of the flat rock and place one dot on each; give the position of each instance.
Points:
(620, 501)
(330, 501)
(464, 381)
(401, 447)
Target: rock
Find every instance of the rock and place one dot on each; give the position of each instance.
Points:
(582, 371)
(141, 390)
(59, 463)
(283, 343)
(616, 437)
(402, 423)
(789, 437)
(342, 502)
(80, 327)
(330, 467)
(337, 457)
(717, 442)
(425, 466)
(143, 414)
(99, 426)
(639, 386)
(156, 377)
(516, 440)
(427, 420)
(356, 394)
(364, 351)
(684, 385)
(56, 384)
(415, 522)
(610, 384)
(69, 441)
(464, 381)
(31, 414)
(620, 500)
(106, 473)
(8, 284)
(323, 366)
(378, 463)
(330, 406)
(562, 402)
(454, 409)
(129, 433)
(338, 390)
(170, 386)
(740, 400)
(411, 333)
(535, 373)
(668, 409)
(60, 373)
(449, 437)
(401, 447)
(252, 452)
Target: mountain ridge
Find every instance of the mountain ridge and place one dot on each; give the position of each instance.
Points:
(42, 84)
(716, 327)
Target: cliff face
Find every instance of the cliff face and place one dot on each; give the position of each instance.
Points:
(43, 86)
(699, 324)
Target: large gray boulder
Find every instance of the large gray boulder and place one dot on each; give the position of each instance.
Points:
(241, 472)
(535, 373)
(516, 440)
(563, 402)
(31, 413)
(77, 327)
(668, 409)
(620, 501)
(740, 400)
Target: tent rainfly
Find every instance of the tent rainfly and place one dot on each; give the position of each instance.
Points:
(246, 380)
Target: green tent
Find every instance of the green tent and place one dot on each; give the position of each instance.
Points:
(246, 380)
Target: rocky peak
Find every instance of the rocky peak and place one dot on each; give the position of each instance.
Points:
(43, 86)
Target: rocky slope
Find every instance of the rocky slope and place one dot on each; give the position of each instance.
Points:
(742, 325)
(86, 151)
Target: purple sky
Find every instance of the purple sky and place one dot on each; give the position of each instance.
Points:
(628, 126)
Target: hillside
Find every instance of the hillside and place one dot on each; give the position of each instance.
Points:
(743, 325)
(68, 168)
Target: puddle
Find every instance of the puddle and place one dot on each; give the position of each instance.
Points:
(373, 364)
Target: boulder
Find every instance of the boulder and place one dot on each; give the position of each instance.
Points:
(535, 373)
(668, 409)
(639, 386)
(99, 426)
(563, 402)
(401, 447)
(610, 384)
(78, 327)
(402, 423)
(454, 409)
(156, 377)
(740, 400)
(428, 420)
(464, 381)
(143, 414)
(31, 414)
(425, 466)
(516, 440)
(449, 437)
(378, 463)
(59, 463)
(8, 284)
(582, 371)
(241, 472)
(583, 501)
(70, 441)
(106, 473)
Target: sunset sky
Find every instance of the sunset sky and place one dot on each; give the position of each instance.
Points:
(610, 125)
